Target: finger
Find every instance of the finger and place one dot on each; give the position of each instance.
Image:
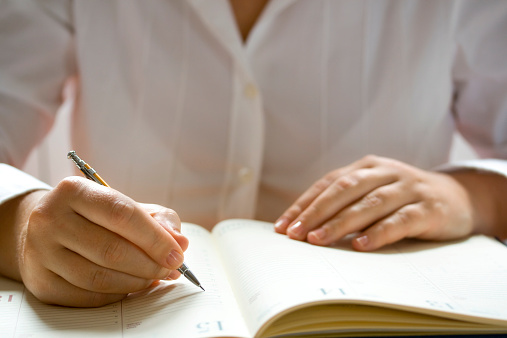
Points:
(107, 249)
(302, 203)
(359, 215)
(120, 214)
(317, 188)
(343, 191)
(166, 217)
(407, 221)
(180, 238)
(175, 274)
(53, 289)
(86, 275)
(170, 221)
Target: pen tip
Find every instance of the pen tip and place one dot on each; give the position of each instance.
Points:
(70, 153)
(202, 288)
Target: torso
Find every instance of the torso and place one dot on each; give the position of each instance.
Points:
(334, 81)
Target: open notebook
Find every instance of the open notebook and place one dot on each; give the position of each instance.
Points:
(259, 283)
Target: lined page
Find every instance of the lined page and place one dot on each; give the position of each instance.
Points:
(270, 272)
(471, 273)
(11, 294)
(42, 320)
(179, 308)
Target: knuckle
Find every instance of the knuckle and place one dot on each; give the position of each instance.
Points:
(408, 215)
(168, 219)
(372, 200)
(414, 212)
(422, 193)
(70, 186)
(438, 208)
(428, 196)
(385, 233)
(313, 210)
(382, 228)
(345, 182)
(172, 216)
(114, 252)
(68, 183)
(100, 279)
(122, 211)
(322, 184)
(371, 160)
(402, 217)
(294, 210)
(389, 230)
(398, 225)
(338, 227)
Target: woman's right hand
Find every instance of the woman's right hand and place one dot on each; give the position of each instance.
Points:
(89, 245)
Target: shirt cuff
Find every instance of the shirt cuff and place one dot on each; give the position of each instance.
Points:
(488, 165)
(14, 182)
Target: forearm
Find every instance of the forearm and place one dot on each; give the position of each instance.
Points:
(488, 194)
(14, 216)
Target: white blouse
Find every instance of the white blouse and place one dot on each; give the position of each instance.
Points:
(174, 109)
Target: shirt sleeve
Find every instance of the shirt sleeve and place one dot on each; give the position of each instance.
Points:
(15, 182)
(480, 82)
(36, 59)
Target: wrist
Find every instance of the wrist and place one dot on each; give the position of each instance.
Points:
(488, 195)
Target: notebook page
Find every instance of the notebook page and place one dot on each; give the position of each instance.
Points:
(273, 273)
(269, 272)
(181, 309)
(11, 294)
(42, 320)
(471, 273)
(458, 279)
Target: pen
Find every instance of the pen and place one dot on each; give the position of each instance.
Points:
(91, 174)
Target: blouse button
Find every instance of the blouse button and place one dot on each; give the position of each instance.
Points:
(251, 91)
(245, 175)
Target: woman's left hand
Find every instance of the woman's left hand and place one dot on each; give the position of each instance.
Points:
(381, 201)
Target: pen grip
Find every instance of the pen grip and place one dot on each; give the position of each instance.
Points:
(92, 174)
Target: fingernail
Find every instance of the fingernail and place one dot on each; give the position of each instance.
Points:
(280, 223)
(319, 234)
(363, 241)
(175, 259)
(296, 229)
